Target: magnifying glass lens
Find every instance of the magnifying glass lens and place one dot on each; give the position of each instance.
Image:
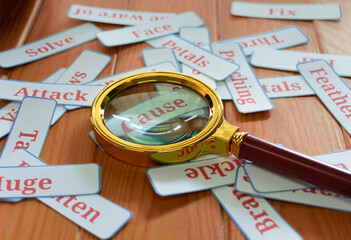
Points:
(156, 114)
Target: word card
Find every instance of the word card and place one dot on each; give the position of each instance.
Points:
(193, 176)
(196, 57)
(81, 95)
(44, 181)
(154, 56)
(140, 33)
(84, 69)
(281, 38)
(287, 11)
(254, 216)
(271, 181)
(114, 16)
(197, 36)
(330, 89)
(247, 93)
(222, 90)
(30, 126)
(313, 197)
(289, 86)
(94, 213)
(48, 46)
(264, 180)
(9, 111)
(60, 109)
(287, 60)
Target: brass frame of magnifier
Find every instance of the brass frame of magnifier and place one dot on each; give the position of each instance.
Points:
(212, 138)
(217, 137)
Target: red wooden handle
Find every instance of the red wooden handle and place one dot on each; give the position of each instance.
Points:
(296, 165)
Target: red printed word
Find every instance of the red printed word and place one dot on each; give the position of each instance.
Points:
(47, 47)
(195, 72)
(249, 203)
(185, 54)
(10, 116)
(281, 12)
(339, 99)
(78, 76)
(285, 87)
(242, 89)
(77, 207)
(152, 32)
(27, 138)
(114, 15)
(151, 114)
(269, 40)
(78, 96)
(214, 169)
(305, 59)
(28, 185)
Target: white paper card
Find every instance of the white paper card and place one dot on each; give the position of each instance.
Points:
(198, 36)
(114, 16)
(264, 180)
(247, 93)
(48, 46)
(340, 159)
(9, 111)
(81, 95)
(287, 11)
(140, 33)
(313, 197)
(254, 216)
(94, 213)
(195, 57)
(7, 116)
(330, 89)
(153, 56)
(85, 68)
(193, 176)
(60, 109)
(287, 60)
(196, 74)
(289, 86)
(30, 127)
(281, 38)
(222, 90)
(60, 180)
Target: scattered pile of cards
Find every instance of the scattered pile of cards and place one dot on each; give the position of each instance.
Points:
(239, 186)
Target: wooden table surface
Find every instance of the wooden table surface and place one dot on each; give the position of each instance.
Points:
(300, 123)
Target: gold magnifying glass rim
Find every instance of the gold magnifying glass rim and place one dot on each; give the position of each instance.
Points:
(112, 90)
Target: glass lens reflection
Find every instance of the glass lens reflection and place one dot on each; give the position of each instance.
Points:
(156, 114)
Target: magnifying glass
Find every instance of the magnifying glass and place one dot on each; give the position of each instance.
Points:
(168, 117)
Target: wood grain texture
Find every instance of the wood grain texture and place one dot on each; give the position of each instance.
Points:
(302, 124)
